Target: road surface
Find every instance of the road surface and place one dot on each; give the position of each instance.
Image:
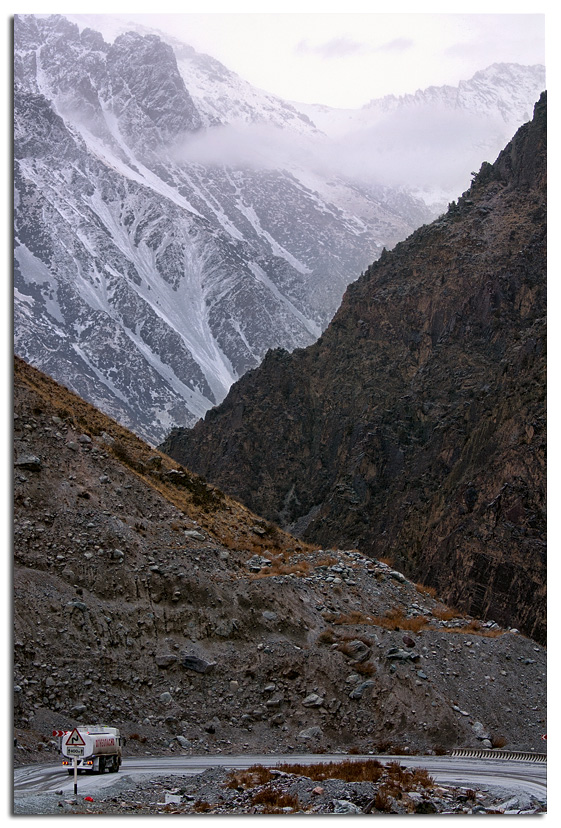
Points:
(514, 775)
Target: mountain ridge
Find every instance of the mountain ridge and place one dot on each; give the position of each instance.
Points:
(414, 428)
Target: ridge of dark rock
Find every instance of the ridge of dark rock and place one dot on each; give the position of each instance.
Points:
(414, 428)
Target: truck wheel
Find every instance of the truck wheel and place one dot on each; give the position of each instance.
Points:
(101, 764)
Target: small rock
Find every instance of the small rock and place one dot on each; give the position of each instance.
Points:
(192, 533)
(165, 660)
(357, 650)
(173, 799)
(314, 732)
(313, 700)
(358, 691)
(30, 462)
(185, 743)
(479, 731)
(402, 655)
(397, 576)
(199, 665)
(343, 806)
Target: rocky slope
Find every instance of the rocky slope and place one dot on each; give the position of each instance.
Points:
(146, 598)
(415, 427)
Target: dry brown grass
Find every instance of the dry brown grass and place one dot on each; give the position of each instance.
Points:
(446, 613)
(365, 770)
(426, 590)
(327, 560)
(202, 807)
(327, 636)
(275, 801)
(279, 568)
(366, 668)
(249, 777)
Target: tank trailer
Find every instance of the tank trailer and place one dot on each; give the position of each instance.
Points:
(96, 749)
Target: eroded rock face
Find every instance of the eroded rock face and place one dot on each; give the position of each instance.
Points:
(415, 427)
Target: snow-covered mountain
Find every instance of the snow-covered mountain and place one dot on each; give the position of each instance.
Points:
(172, 222)
(435, 138)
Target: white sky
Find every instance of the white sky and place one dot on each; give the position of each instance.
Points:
(346, 59)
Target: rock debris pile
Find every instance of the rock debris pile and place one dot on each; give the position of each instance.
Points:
(396, 790)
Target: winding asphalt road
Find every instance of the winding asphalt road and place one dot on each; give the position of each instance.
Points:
(514, 775)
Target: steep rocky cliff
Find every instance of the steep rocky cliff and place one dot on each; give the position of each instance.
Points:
(415, 427)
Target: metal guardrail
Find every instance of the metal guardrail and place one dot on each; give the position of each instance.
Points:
(482, 753)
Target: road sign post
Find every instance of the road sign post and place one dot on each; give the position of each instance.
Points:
(75, 747)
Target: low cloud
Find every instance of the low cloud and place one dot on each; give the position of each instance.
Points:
(428, 147)
(343, 47)
(400, 44)
(338, 47)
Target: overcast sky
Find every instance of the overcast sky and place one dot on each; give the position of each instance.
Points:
(346, 59)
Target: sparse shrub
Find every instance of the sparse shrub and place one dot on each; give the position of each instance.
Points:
(121, 452)
(365, 669)
(327, 636)
(250, 777)
(498, 741)
(327, 560)
(279, 568)
(395, 619)
(382, 801)
(350, 770)
(445, 613)
(274, 801)
(201, 806)
(426, 590)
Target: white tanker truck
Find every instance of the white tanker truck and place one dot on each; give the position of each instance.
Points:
(95, 748)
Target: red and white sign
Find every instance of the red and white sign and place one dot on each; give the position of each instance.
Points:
(59, 733)
(75, 738)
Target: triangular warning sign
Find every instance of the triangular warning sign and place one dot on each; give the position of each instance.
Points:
(75, 738)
